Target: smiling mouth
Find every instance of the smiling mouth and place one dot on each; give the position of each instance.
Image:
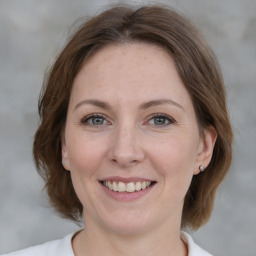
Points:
(130, 187)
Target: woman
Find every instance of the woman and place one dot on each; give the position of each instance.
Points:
(134, 136)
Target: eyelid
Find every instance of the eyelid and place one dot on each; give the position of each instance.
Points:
(171, 119)
(87, 117)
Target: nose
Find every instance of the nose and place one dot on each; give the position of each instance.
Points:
(126, 149)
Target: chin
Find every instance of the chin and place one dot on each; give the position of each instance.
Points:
(127, 229)
(129, 223)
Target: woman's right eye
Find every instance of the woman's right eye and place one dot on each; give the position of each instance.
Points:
(95, 120)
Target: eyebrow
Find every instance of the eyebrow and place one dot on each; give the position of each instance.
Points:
(154, 103)
(93, 102)
(146, 105)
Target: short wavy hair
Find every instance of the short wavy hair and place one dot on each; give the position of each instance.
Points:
(197, 67)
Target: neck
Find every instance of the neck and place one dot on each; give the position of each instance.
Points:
(160, 241)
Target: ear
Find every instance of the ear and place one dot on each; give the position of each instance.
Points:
(64, 152)
(205, 149)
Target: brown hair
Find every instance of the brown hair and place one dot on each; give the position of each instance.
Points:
(198, 69)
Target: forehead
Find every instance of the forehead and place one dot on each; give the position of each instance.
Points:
(124, 57)
(129, 71)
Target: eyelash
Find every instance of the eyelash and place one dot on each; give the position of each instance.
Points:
(85, 120)
(165, 117)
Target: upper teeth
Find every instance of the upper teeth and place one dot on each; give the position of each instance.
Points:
(126, 187)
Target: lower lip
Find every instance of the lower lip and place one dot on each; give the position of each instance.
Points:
(126, 196)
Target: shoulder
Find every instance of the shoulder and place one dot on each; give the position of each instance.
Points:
(193, 248)
(53, 248)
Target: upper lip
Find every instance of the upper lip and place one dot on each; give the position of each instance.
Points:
(126, 179)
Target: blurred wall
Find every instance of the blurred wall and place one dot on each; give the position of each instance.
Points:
(33, 31)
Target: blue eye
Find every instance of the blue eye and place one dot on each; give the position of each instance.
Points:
(95, 120)
(160, 120)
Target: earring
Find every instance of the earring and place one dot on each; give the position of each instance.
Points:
(201, 168)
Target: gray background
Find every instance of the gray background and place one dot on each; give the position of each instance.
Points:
(32, 32)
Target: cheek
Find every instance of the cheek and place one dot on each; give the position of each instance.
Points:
(175, 152)
(84, 155)
(85, 158)
(174, 159)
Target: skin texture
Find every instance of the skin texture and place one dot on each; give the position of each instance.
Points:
(131, 141)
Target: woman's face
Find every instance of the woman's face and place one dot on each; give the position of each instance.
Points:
(131, 139)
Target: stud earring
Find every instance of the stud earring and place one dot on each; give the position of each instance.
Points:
(201, 168)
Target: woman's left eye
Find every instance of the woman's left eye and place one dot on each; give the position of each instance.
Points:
(160, 120)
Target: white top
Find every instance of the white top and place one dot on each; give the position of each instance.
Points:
(63, 247)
